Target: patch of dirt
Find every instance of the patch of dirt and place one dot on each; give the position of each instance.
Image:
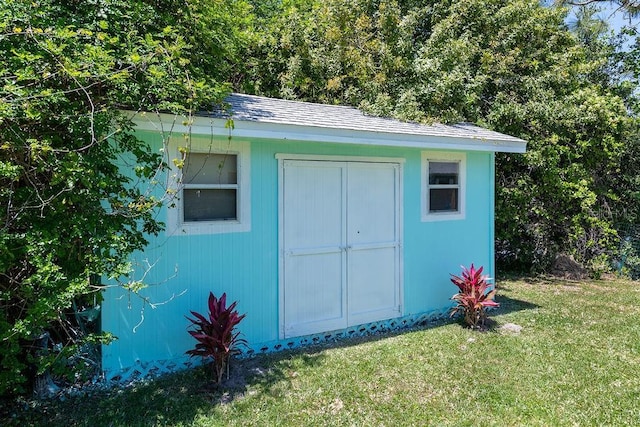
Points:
(242, 373)
(566, 267)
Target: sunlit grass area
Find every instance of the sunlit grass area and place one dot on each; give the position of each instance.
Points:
(576, 361)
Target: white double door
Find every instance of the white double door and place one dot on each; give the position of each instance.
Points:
(340, 249)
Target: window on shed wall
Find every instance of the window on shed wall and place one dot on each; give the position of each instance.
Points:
(213, 188)
(210, 191)
(443, 181)
(444, 186)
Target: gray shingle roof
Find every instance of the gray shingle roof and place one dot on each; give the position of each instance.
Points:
(278, 111)
(260, 118)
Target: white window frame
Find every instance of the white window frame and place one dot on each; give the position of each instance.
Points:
(175, 213)
(425, 188)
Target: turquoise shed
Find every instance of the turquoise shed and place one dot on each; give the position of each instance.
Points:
(321, 221)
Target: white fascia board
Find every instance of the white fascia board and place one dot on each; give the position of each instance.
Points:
(373, 138)
(291, 132)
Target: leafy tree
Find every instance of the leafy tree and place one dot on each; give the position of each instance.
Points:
(512, 66)
(69, 214)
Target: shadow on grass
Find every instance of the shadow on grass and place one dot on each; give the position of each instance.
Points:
(182, 397)
(172, 399)
(509, 305)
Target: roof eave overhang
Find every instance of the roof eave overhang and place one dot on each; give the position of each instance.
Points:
(293, 132)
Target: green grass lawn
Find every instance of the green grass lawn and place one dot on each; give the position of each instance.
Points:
(575, 362)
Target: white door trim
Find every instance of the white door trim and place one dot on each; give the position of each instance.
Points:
(320, 158)
(282, 157)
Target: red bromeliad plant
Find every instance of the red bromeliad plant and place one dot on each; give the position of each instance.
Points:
(216, 335)
(474, 297)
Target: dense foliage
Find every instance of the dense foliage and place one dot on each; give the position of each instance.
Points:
(512, 66)
(69, 214)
